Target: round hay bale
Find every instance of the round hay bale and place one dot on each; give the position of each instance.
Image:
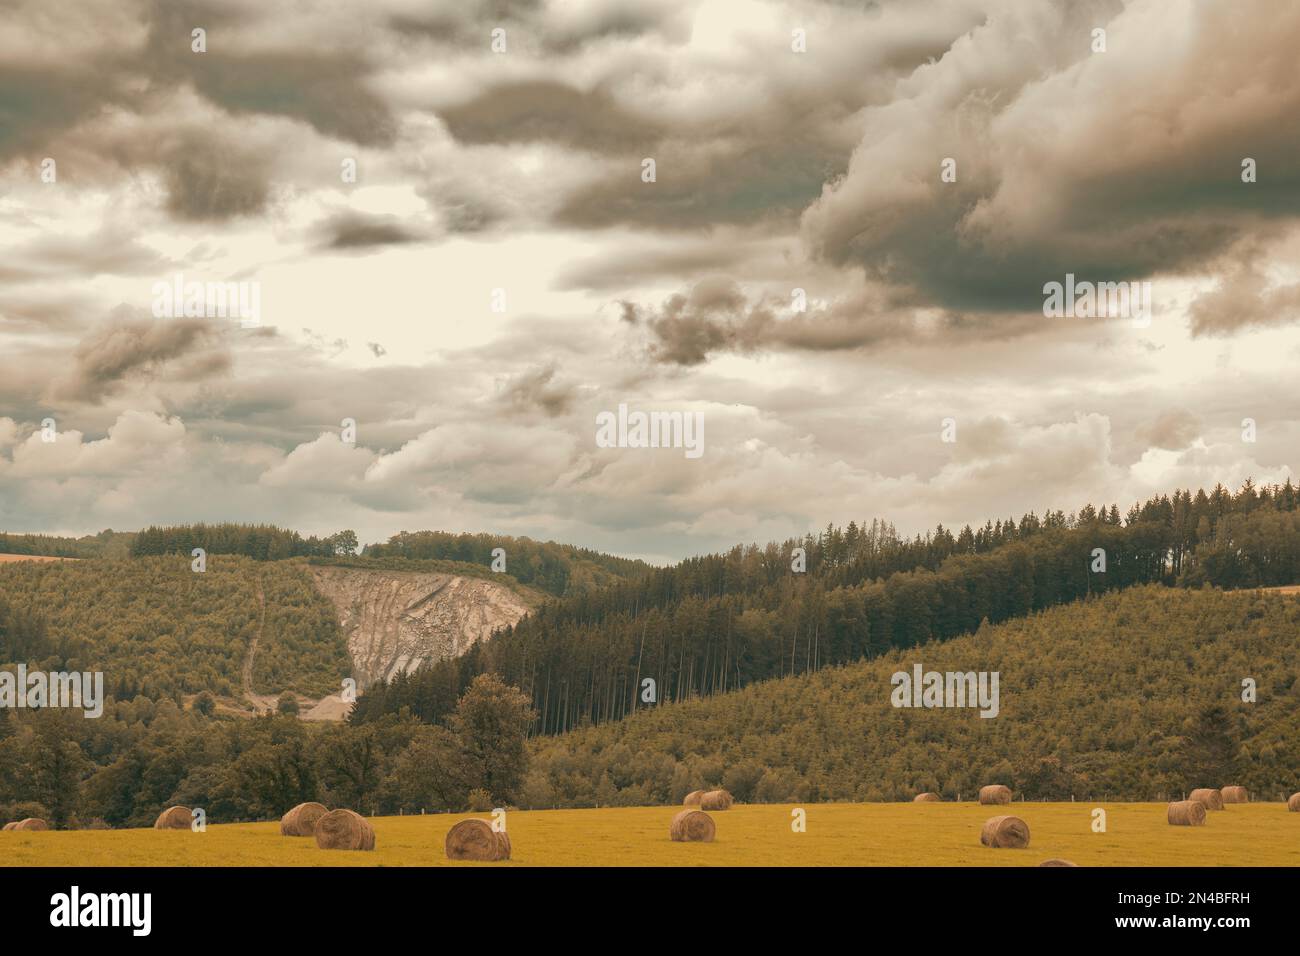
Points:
(692, 826)
(693, 798)
(476, 840)
(31, 823)
(1005, 832)
(1293, 804)
(11, 826)
(1186, 813)
(716, 800)
(344, 830)
(301, 820)
(995, 795)
(1212, 799)
(1056, 861)
(1235, 795)
(926, 798)
(174, 818)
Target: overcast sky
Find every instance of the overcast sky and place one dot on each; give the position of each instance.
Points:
(522, 171)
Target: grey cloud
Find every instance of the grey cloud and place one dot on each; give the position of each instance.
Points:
(716, 316)
(210, 179)
(1244, 298)
(538, 388)
(124, 346)
(1172, 430)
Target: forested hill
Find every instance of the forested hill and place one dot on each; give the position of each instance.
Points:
(1128, 696)
(713, 624)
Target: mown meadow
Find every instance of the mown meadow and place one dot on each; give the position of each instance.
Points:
(837, 834)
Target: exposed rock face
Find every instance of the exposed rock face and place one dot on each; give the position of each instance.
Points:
(395, 620)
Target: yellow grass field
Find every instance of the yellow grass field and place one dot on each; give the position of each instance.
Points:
(943, 834)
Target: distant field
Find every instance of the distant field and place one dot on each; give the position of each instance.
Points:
(6, 558)
(946, 834)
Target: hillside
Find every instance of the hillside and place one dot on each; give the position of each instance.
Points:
(247, 628)
(716, 623)
(1130, 696)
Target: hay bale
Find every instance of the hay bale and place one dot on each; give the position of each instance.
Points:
(692, 826)
(1293, 804)
(716, 800)
(344, 830)
(301, 820)
(31, 823)
(926, 798)
(11, 826)
(693, 798)
(476, 840)
(1212, 799)
(1057, 861)
(1186, 813)
(1005, 832)
(995, 795)
(1235, 795)
(174, 818)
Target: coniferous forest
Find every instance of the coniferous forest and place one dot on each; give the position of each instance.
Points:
(721, 622)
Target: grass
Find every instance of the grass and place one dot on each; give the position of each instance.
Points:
(946, 834)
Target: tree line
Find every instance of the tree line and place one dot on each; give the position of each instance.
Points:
(557, 569)
(107, 544)
(260, 542)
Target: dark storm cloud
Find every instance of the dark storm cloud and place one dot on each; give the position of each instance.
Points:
(696, 187)
(1113, 165)
(354, 231)
(210, 179)
(535, 26)
(552, 112)
(326, 88)
(38, 102)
